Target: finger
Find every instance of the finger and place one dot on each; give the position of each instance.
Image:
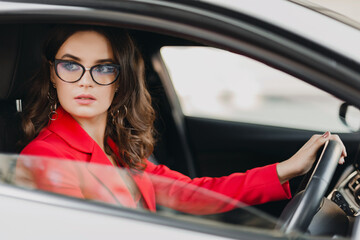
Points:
(321, 139)
(337, 138)
(315, 139)
(326, 134)
(342, 160)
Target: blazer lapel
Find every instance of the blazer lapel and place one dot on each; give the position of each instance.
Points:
(109, 177)
(146, 189)
(142, 181)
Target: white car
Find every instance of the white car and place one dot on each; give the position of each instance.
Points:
(236, 84)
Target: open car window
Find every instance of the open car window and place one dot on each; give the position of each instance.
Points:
(237, 88)
(112, 186)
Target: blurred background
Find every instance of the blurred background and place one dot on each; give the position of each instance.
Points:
(237, 88)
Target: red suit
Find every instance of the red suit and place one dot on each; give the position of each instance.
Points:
(65, 139)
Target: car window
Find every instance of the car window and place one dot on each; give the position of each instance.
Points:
(110, 185)
(236, 88)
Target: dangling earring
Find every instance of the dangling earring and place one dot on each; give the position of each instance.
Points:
(114, 115)
(53, 115)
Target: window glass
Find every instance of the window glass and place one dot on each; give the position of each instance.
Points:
(121, 188)
(218, 84)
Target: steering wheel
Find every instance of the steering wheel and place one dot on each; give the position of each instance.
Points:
(299, 212)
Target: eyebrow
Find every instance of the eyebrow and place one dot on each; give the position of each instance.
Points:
(70, 56)
(78, 59)
(105, 60)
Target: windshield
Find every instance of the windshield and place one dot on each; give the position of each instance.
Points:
(123, 189)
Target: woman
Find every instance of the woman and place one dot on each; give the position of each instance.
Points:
(92, 82)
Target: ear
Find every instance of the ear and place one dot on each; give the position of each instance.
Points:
(52, 80)
(52, 75)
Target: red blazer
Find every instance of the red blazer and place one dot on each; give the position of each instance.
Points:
(65, 139)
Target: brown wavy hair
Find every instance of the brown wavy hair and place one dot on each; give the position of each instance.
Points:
(130, 115)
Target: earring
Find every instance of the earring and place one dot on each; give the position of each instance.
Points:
(114, 115)
(53, 115)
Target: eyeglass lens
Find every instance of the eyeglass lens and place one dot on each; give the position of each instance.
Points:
(72, 72)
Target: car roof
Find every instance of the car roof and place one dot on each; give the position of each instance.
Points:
(303, 21)
(300, 20)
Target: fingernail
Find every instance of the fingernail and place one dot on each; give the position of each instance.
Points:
(342, 161)
(326, 134)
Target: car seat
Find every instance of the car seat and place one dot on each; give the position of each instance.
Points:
(20, 46)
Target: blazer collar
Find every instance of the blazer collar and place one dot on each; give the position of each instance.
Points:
(66, 127)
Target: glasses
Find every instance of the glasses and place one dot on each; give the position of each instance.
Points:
(102, 74)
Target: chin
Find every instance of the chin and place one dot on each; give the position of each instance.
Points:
(88, 113)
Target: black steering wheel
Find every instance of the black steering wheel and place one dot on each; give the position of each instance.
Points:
(299, 212)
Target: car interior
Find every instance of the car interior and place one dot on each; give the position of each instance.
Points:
(194, 146)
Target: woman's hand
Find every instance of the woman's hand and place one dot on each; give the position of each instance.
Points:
(302, 161)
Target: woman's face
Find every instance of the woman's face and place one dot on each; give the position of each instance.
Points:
(84, 99)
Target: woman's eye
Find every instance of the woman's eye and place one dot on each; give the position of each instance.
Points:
(105, 69)
(69, 66)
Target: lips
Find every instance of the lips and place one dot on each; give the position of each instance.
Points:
(85, 99)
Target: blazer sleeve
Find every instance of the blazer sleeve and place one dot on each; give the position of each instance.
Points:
(211, 195)
(39, 165)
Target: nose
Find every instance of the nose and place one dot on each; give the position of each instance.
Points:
(86, 79)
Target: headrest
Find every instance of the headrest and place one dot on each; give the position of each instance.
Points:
(20, 56)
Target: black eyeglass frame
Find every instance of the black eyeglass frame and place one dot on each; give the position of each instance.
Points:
(57, 61)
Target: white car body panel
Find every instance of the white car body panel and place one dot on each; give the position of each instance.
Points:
(59, 223)
(306, 23)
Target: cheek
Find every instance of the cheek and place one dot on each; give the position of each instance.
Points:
(63, 91)
(110, 93)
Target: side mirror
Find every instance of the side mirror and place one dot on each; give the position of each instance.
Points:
(350, 116)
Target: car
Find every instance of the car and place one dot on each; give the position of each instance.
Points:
(235, 85)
